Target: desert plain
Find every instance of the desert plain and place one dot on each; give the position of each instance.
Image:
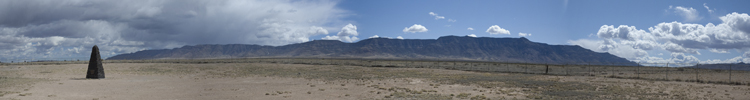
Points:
(285, 79)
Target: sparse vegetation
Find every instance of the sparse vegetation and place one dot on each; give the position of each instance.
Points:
(463, 95)
(488, 83)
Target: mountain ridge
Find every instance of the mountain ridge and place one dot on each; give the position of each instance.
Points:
(443, 48)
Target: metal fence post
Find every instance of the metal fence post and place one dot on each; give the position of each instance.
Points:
(526, 69)
(666, 75)
(566, 70)
(546, 69)
(697, 77)
(637, 69)
(589, 69)
(507, 68)
(454, 63)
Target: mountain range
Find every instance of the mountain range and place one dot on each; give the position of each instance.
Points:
(443, 48)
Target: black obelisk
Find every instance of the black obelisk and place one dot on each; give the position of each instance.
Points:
(96, 69)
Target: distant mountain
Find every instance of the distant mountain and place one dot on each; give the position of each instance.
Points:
(735, 66)
(443, 48)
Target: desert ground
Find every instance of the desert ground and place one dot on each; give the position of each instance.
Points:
(346, 79)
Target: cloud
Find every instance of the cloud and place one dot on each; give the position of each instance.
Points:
(436, 16)
(737, 21)
(675, 60)
(719, 50)
(471, 35)
(374, 36)
(451, 20)
(524, 34)
(731, 60)
(415, 28)
(68, 28)
(672, 47)
(689, 14)
(494, 29)
(709, 9)
(470, 28)
(682, 58)
(675, 37)
(565, 5)
(613, 47)
(621, 32)
(347, 34)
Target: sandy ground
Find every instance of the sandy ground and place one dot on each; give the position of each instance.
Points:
(269, 81)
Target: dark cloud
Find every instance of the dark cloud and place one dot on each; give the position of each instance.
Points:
(56, 28)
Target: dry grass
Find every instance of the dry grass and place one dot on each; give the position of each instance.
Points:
(343, 75)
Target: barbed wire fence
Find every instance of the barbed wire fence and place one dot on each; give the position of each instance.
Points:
(700, 73)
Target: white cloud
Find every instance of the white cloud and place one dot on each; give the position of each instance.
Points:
(719, 50)
(621, 32)
(672, 47)
(470, 28)
(436, 16)
(731, 60)
(347, 34)
(127, 26)
(439, 17)
(613, 47)
(399, 37)
(494, 29)
(689, 14)
(451, 20)
(375, 36)
(709, 9)
(682, 58)
(471, 35)
(524, 34)
(678, 38)
(415, 28)
(565, 5)
(737, 21)
(675, 60)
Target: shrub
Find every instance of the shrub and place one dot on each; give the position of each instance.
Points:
(463, 95)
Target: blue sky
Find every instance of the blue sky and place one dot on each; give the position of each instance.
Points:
(684, 31)
(551, 22)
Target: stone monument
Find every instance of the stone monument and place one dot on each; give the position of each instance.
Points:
(96, 69)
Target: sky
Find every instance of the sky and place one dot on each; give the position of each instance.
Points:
(644, 31)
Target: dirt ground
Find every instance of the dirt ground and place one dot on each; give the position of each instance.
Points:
(271, 81)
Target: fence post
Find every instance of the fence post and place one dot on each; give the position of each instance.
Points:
(589, 68)
(454, 63)
(696, 73)
(612, 68)
(507, 67)
(730, 73)
(637, 69)
(666, 75)
(546, 69)
(526, 69)
(566, 70)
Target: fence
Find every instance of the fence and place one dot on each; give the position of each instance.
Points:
(728, 74)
